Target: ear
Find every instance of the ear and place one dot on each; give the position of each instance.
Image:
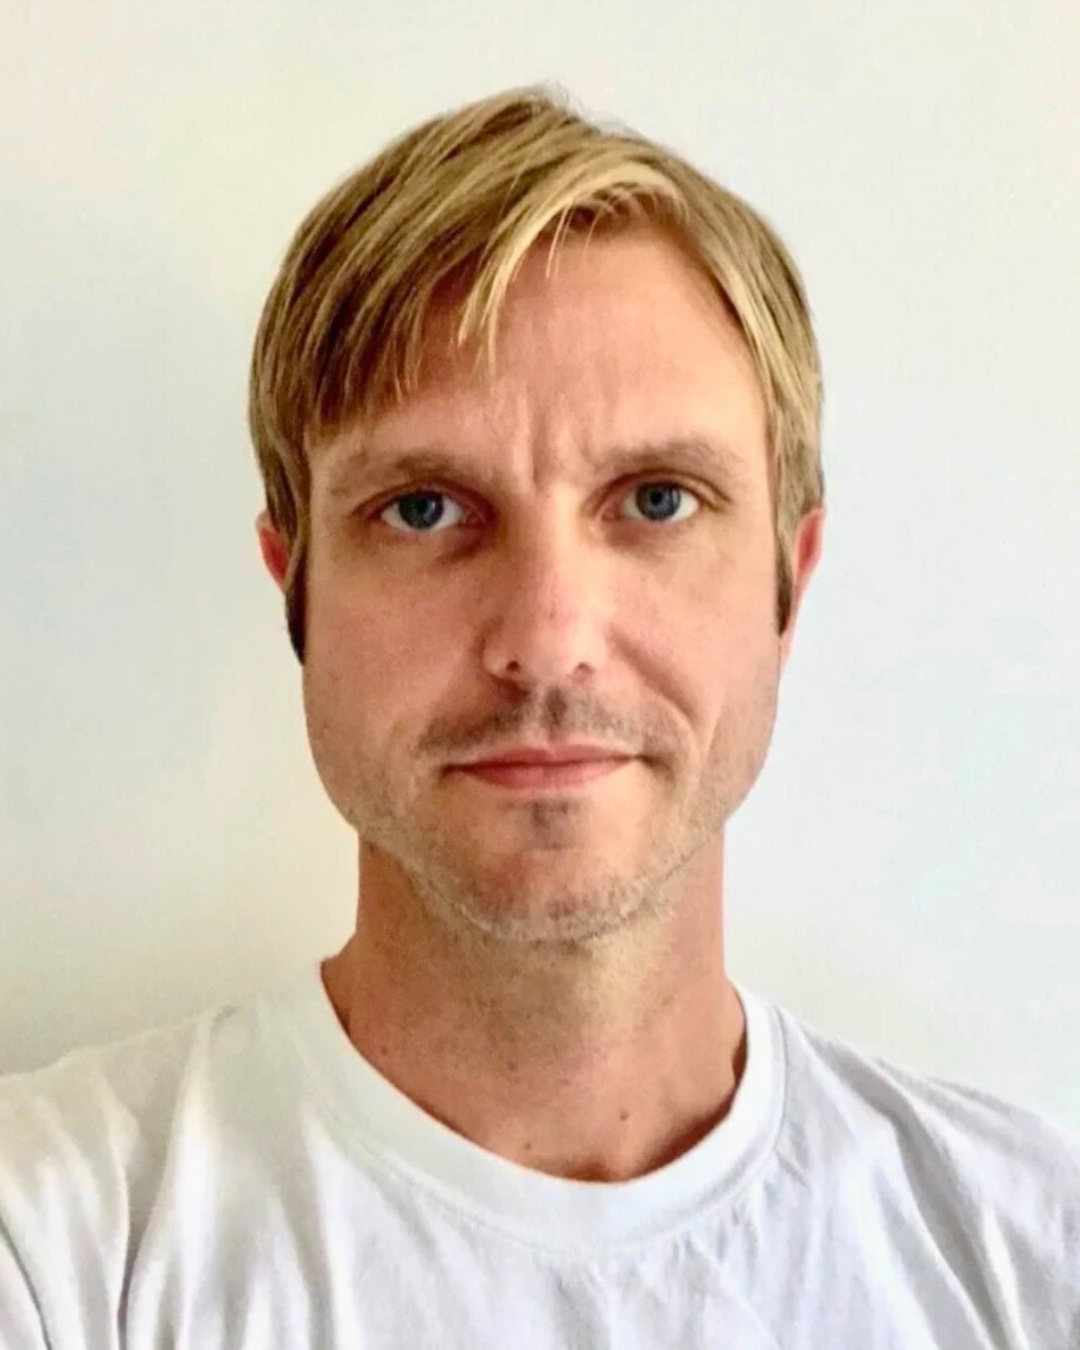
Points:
(804, 559)
(273, 548)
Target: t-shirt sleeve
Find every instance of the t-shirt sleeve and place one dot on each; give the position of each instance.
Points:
(21, 1323)
(64, 1147)
(1024, 1172)
(82, 1147)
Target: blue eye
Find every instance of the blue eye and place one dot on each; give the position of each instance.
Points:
(423, 516)
(659, 493)
(421, 512)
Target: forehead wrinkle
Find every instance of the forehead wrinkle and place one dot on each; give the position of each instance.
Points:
(707, 453)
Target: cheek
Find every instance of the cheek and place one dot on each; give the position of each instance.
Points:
(378, 668)
(713, 647)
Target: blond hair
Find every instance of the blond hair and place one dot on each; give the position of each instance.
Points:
(456, 203)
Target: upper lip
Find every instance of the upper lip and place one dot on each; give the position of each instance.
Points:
(558, 752)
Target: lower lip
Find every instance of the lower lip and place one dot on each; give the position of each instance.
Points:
(544, 775)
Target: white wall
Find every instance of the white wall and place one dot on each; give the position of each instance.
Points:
(905, 874)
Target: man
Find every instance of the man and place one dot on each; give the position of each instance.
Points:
(542, 606)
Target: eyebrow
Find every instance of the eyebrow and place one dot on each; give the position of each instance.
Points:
(704, 453)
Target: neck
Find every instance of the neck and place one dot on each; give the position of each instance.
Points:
(596, 1065)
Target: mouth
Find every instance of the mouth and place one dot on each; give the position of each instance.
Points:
(553, 774)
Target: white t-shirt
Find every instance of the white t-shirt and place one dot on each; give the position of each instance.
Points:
(246, 1180)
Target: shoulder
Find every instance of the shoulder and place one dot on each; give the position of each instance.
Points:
(994, 1139)
(988, 1172)
(111, 1095)
(82, 1077)
(91, 1146)
(84, 1142)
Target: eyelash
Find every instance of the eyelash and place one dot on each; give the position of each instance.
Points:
(425, 489)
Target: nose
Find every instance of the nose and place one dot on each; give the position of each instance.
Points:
(547, 617)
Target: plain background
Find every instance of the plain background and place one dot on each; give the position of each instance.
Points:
(905, 873)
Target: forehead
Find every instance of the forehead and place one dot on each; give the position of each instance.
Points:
(631, 298)
(615, 343)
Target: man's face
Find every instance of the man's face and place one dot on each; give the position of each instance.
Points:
(542, 590)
